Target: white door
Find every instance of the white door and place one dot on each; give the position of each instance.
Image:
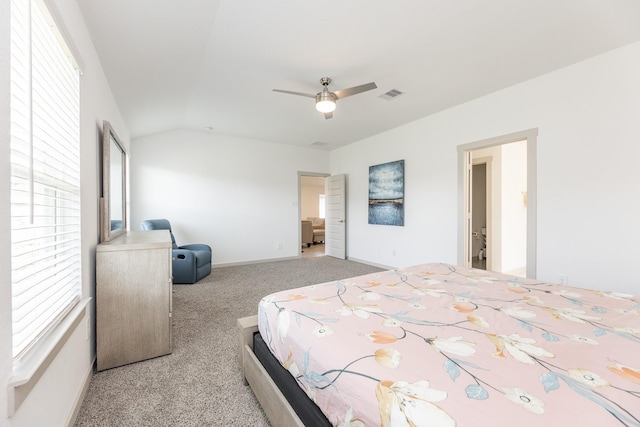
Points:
(468, 208)
(335, 216)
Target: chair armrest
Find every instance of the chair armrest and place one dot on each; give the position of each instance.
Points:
(197, 247)
(184, 266)
(186, 257)
(201, 252)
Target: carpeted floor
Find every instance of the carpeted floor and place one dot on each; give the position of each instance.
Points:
(200, 383)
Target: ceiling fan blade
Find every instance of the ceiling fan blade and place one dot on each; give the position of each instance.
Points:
(308, 95)
(328, 115)
(343, 93)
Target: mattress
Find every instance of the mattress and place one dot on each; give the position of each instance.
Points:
(307, 410)
(443, 345)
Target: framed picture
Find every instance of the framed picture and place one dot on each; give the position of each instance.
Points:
(386, 193)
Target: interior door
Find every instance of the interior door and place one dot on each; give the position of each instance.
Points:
(468, 209)
(335, 216)
(481, 195)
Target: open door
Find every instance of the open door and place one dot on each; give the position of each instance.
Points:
(481, 225)
(467, 209)
(335, 216)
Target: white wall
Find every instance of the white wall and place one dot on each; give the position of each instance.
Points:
(514, 210)
(588, 196)
(56, 394)
(238, 195)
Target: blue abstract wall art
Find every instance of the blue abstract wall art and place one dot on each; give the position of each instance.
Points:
(386, 193)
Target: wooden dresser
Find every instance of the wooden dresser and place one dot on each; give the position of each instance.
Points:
(133, 298)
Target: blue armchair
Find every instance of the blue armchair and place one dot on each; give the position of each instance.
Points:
(190, 262)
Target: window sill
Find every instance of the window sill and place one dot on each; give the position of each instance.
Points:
(26, 376)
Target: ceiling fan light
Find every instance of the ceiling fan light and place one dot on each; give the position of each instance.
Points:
(325, 102)
(326, 106)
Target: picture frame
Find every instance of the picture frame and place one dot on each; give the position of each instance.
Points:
(386, 193)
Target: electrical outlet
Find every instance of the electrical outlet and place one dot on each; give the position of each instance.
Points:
(279, 245)
(564, 279)
(393, 252)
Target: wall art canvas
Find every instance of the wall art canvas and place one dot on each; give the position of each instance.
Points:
(386, 193)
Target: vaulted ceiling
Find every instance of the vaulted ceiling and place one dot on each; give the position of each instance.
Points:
(211, 65)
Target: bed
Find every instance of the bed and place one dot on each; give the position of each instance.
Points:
(443, 345)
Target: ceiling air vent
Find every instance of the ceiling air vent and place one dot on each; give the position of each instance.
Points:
(392, 94)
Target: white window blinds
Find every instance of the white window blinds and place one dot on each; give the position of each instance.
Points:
(45, 176)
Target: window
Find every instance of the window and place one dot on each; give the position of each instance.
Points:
(45, 176)
(321, 209)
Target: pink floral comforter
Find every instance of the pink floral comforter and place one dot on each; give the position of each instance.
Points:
(441, 345)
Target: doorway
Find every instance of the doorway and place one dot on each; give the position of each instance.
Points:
(481, 199)
(335, 236)
(312, 204)
(509, 241)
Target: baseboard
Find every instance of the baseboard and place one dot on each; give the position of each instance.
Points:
(262, 261)
(258, 261)
(372, 264)
(81, 395)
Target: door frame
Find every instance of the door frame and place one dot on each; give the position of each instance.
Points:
(530, 135)
(300, 175)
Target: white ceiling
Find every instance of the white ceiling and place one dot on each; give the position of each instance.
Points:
(196, 64)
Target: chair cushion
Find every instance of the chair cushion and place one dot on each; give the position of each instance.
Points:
(316, 222)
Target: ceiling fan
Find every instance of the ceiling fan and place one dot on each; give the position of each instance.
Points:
(325, 100)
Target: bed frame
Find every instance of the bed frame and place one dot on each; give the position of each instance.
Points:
(275, 405)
